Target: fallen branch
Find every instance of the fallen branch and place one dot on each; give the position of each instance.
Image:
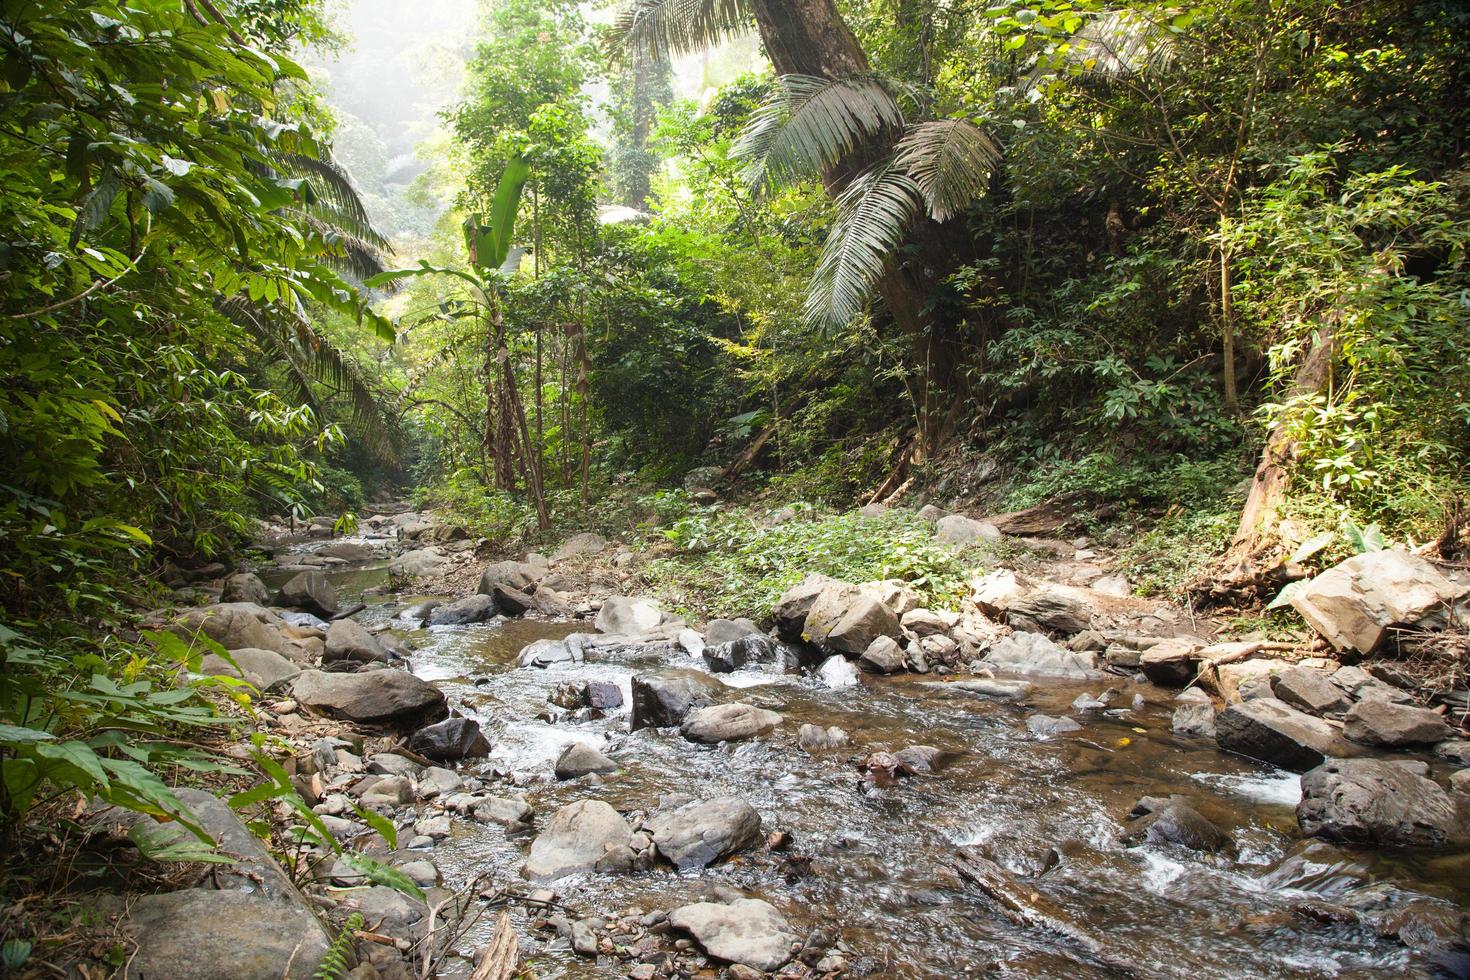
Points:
(500, 959)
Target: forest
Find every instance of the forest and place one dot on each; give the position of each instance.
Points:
(876, 352)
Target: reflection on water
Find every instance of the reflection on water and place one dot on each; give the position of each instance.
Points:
(876, 862)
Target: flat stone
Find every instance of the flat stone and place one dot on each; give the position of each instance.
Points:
(575, 840)
(986, 687)
(463, 612)
(504, 810)
(209, 934)
(664, 699)
(728, 630)
(1032, 653)
(1355, 604)
(747, 931)
(543, 653)
(883, 656)
(1047, 726)
(1310, 690)
(1194, 719)
(348, 640)
(728, 723)
(1373, 801)
(1275, 732)
(752, 648)
(699, 834)
(1171, 663)
(379, 697)
(1394, 725)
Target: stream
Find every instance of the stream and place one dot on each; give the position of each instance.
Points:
(876, 862)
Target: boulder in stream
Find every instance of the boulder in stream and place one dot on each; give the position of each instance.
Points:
(1376, 801)
(790, 611)
(462, 612)
(1032, 653)
(311, 591)
(578, 759)
(1311, 690)
(752, 648)
(1194, 719)
(629, 615)
(699, 834)
(245, 587)
(837, 672)
(883, 656)
(543, 653)
(846, 619)
(1174, 821)
(815, 738)
(579, 837)
(392, 698)
(348, 640)
(728, 630)
(1275, 732)
(1394, 725)
(747, 931)
(664, 699)
(266, 669)
(728, 723)
(238, 625)
(517, 575)
(450, 740)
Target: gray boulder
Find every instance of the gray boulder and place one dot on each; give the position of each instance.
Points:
(450, 740)
(1394, 725)
(1355, 604)
(1171, 662)
(1032, 653)
(663, 700)
(579, 759)
(503, 810)
(391, 698)
(747, 931)
(963, 531)
(847, 619)
(752, 648)
(544, 653)
(348, 551)
(579, 837)
(586, 543)
(1195, 719)
(237, 625)
(210, 934)
(266, 669)
(790, 611)
(1176, 822)
(311, 591)
(629, 615)
(1311, 690)
(462, 612)
(1373, 801)
(728, 723)
(883, 656)
(728, 630)
(518, 575)
(348, 640)
(699, 834)
(1275, 732)
(421, 561)
(245, 587)
(1047, 726)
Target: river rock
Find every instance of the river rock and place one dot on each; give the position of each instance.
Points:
(1032, 653)
(311, 591)
(837, 672)
(236, 626)
(348, 640)
(1275, 732)
(747, 931)
(1311, 690)
(512, 602)
(927, 622)
(752, 648)
(964, 531)
(1195, 719)
(1374, 801)
(629, 615)
(603, 695)
(211, 934)
(728, 630)
(728, 723)
(393, 698)
(1049, 606)
(1394, 725)
(586, 543)
(664, 699)
(504, 810)
(846, 619)
(1170, 663)
(450, 740)
(790, 611)
(1456, 750)
(986, 687)
(1355, 604)
(544, 653)
(1363, 686)
(421, 561)
(578, 759)
(245, 587)
(576, 839)
(517, 575)
(699, 834)
(1176, 822)
(1047, 726)
(814, 738)
(883, 656)
(462, 612)
(266, 669)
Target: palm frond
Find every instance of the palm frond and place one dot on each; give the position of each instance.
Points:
(333, 190)
(873, 213)
(1113, 45)
(808, 124)
(348, 254)
(951, 160)
(660, 28)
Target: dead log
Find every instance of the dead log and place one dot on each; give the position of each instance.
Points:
(501, 959)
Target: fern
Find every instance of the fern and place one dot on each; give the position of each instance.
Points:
(334, 962)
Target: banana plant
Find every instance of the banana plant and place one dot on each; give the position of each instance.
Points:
(491, 259)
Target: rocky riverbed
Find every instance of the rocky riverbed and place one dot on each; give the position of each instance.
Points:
(1054, 780)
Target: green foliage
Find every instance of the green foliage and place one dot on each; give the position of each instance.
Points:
(734, 563)
(333, 965)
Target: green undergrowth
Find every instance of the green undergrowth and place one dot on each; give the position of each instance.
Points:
(739, 562)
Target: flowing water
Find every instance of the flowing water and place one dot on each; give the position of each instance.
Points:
(876, 862)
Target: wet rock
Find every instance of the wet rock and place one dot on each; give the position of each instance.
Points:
(310, 591)
(1176, 822)
(437, 828)
(837, 672)
(883, 656)
(384, 791)
(420, 561)
(462, 612)
(575, 840)
(1046, 726)
(987, 687)
(1456, 750)
(921, 758)
(209, 934)
(419, 611)
(1275, 732)
(1363, 686)
(511, 602)
(961, 530)
(752, 648)
(728, 630)
(927, 622)
(691, 642)
(578, 759)
(728, 723)
(846, 619)
(450, 740)
(603, 695)
(1372, 801)
(699, 834)
(586, 543)
(629, 616)
(1394, 725)
(1355, 604)
(664, 699)
(348, 640)
(790, 611)
(391, 764)
(814, 738)
(747, 931)
(393, 698)
(1170, 663)
(439, 782)
(544, 653)
(393, 912)
(1431, 926)
(245, 587)
(504, 810)
(1310, 690)
(1194, 719)
(266, 669)
(517, 576)
(1032, 653)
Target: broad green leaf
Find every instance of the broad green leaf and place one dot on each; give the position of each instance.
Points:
(166, 843)
(16, 735)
